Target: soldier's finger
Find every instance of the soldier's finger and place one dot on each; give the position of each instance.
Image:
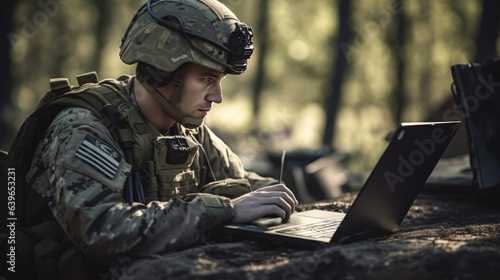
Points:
(275, 194)
(281, 203)
(281, 188)
(273, 210)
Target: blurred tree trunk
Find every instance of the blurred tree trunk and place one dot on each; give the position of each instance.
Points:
(398, 50)
(339, 64)
(104, 21)
(261, 50)
(488, 30)
(425, 88)
(6, 27)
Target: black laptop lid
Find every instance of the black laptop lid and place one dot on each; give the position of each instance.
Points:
(396, 180)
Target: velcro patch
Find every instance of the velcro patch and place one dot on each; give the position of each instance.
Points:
(210, 200)
(99, 156)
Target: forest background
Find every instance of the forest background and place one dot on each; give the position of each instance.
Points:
(333, 73)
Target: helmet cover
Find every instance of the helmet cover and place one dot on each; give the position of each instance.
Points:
(169, 33)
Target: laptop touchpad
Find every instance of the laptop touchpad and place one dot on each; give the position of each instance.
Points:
(277, 221)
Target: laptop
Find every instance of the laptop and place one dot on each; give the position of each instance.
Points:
(381, 204)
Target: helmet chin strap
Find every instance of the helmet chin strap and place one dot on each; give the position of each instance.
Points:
(171, 106)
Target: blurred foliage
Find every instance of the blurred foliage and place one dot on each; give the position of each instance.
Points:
(63, 38)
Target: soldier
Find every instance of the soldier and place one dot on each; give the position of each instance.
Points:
(155, 179)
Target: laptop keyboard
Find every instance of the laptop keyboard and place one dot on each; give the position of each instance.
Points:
(318, 230)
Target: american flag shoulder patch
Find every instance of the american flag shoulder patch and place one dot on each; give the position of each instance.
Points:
(99, 156)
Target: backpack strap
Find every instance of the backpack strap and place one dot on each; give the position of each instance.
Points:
(133, 189)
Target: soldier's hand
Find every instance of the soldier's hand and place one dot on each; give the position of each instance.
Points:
(275, 200)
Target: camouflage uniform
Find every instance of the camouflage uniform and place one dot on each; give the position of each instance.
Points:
(79, 171)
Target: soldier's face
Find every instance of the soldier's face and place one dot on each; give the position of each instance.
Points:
(202, 88)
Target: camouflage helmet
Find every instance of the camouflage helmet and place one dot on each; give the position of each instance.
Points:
(169, 33)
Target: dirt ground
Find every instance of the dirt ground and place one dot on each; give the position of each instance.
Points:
(444, 236)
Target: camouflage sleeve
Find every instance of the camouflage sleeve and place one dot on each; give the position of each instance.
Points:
(80, 172)
(257, 181)
(227, 164)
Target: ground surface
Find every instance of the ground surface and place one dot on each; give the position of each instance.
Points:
(444, 236)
